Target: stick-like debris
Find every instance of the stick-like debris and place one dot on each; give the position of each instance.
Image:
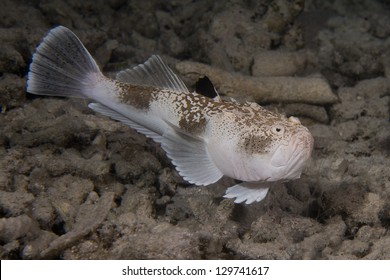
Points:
(310, 90)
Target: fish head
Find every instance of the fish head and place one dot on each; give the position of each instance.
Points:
(276, 151)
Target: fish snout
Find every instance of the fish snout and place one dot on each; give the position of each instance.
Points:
(290, 159)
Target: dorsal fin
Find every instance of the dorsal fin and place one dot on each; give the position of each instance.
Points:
(206, 88)
(154, 72)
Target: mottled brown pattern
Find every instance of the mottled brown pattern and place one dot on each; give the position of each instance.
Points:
(193, 127)
(241, 115)
(135, 95)
(191, 112)
(256, 143)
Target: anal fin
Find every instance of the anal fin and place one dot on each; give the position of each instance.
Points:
(188, 153)
(97, 107)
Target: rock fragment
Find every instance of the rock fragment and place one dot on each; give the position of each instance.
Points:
(88, 218)
(16, 227)
(278, 63)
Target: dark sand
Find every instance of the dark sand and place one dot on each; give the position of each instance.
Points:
(77, 185)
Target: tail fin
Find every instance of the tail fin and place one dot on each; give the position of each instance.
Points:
(61, 66)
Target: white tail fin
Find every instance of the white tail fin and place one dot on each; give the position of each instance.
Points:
(61, 66)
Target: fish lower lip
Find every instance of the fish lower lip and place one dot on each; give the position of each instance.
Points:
(288, 152)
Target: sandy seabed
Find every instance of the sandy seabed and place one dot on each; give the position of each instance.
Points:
(77, 185)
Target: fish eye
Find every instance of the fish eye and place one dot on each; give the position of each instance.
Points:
(277, 129)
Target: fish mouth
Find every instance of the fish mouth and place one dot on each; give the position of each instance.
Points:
(290, 157)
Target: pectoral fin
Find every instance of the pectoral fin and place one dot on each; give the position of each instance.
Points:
(189, 154)
(248, 192)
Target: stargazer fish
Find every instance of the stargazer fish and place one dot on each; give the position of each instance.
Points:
(205, 138)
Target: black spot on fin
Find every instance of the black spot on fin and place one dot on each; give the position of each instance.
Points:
(205, 87)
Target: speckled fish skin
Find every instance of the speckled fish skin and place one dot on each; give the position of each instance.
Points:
(205, 138)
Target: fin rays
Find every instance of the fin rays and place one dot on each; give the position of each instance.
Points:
(154, 72)
(248, 192)
(190, 156)
(61, 65)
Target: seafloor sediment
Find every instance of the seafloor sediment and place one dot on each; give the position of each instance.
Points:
(77, 185)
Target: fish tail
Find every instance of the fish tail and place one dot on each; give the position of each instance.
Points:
(62, 66)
